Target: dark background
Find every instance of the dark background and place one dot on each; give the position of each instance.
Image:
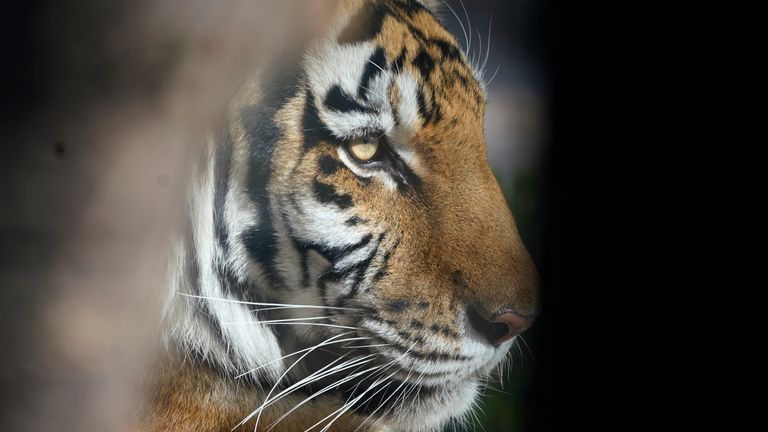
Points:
(61, 65)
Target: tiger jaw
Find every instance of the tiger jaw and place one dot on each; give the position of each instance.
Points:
(397, 385)
(402, 399)
(418, 407)
(428, 403)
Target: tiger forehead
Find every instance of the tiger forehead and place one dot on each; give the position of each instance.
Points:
(414, 40)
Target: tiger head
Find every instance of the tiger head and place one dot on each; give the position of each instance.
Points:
(350, 216)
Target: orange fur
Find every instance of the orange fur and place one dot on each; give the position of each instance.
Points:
(185, 396)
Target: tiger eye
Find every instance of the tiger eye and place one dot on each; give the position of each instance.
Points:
(364, 149)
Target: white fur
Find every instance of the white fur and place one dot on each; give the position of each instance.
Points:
(323, 224)
(252, 344)
(409, 106)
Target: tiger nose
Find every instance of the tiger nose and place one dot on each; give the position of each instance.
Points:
(503, 328)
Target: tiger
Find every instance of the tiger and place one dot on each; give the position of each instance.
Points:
(348, 260)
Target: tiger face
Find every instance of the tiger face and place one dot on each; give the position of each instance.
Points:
(363, 203)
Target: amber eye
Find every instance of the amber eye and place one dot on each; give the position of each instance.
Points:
(364, 149)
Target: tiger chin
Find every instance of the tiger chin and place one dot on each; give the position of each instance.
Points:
(348, 260)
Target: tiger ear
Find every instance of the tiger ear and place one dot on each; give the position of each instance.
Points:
(432, 5)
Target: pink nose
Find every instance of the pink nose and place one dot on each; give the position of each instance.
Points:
(512, 325)
(503, 328)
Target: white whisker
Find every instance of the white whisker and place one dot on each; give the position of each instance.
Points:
(265, 304)
(488, 47)
(294, 353)
(286, 320)
(476, 61)
(266, 399)
(394, 392)
(527, 347)
(494, 75)
(377, 66)
(323, 390)
(390, 396)
(375, 93)
(271, 308)
(367, 346)
(316, 376)
(370, 416)
(346, 407)
(469, 25)
(466, 39)
(501, 391)
(294, 323)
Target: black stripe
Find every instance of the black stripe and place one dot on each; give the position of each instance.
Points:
(341, 101)
(327, 194)
(424, 63)
(422, 102)
(313, 128)
(260, 242)
(263, 134)
(437, 113)
(303, 251)
(374, 315)
(332, 254)
(373, 67)
(354, 220)
(427, 356)
(433, 115)
(361, 268)
(397, 64)
(357, 271)
(410, 7)
(445, 330)
(336, 254)
(398, 306)
(221, 169)
(192, 267)
(329, 165)
(462, 79)
(448, 50)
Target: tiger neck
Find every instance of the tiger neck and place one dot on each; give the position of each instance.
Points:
(186, 396)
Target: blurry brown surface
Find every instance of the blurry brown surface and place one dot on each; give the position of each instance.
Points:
(101, 118)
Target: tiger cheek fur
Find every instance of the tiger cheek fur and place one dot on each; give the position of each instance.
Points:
(411, 256)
